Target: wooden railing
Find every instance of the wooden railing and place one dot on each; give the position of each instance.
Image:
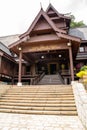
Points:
(38, 78)
(65, 74)
(33, 79)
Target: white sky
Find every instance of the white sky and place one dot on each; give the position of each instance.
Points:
(17, 15)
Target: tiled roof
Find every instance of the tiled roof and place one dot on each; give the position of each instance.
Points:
(79, 32)
(5, 49)
(7, 40)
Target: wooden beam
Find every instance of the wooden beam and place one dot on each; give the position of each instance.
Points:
(28, 59)
(44, 47)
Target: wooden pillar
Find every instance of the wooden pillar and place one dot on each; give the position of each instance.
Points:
(33, 69)
(0, 63)
(20, 67)
(71, 63)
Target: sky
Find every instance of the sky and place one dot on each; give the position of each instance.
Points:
(17, 15)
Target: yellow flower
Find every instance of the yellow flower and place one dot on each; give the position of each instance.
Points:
(81, 73)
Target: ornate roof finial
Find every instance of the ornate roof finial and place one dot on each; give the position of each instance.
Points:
(41, 5)
(49, 1)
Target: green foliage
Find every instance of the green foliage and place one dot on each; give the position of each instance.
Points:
(74, 23)
(83, 68)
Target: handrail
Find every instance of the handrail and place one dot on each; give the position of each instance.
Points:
(39, 77)
(61, 78)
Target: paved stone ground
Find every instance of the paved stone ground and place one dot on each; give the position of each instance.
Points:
(38, 122)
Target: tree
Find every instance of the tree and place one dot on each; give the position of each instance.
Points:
(74, 23)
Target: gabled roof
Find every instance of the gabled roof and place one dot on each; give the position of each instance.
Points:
(59, 32)
(42, 13)
(59, 15)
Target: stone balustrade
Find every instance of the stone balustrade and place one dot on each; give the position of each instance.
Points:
(81, 101)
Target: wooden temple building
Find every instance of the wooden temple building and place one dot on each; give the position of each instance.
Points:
(48, 47)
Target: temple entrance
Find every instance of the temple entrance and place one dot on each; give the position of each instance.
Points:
(53, 68)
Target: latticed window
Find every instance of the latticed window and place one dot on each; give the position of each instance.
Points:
(81, 49)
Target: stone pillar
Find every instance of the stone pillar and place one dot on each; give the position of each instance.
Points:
(20, 68)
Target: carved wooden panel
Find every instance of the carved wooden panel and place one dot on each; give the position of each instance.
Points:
(44, 47)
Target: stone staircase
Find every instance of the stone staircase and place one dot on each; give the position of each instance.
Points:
(51, 79)
(41, 99)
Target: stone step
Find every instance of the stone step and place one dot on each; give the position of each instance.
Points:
(67, 102)
(40, 98)
(40, 87)
(44, 88)
(49, 99)
(42, 91)
(38, 95)
(68, 113)
(50, 79)
(47, 108)
(37, 104)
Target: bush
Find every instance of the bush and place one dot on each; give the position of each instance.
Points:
(84, 68)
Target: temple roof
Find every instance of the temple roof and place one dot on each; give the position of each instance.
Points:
(7, 40)
(5, 49)
(50, 7)
(42, 13)
(5, 52)
(48, 31)
(59, 32)
(80, 32)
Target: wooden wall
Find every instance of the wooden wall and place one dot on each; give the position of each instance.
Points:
(7, 67)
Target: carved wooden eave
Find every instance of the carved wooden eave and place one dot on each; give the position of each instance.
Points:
(51, 37)
(69, 37)
(19, 42)
(59, 15)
